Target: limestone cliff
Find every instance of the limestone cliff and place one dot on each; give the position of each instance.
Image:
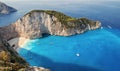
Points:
(4, 9)
(37, 22)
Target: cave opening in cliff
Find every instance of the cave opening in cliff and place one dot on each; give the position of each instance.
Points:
(45, 35)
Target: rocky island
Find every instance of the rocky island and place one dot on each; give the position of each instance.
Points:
(36, 23)
(5, 9)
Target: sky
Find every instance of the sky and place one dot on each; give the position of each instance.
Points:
(60, 0)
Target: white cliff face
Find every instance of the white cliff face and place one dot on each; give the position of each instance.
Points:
(4, 9)
(35, 24)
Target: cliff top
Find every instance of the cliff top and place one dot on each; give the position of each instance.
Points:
(62, 17)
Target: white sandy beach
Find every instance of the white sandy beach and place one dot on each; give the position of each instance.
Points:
(18, 42)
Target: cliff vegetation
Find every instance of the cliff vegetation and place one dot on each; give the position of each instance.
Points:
(9, 59)
(67, 21)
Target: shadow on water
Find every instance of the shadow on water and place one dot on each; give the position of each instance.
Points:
(39, 60)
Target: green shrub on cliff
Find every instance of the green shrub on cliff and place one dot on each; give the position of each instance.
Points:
(64, 19)
(60, 16)
(10, 62)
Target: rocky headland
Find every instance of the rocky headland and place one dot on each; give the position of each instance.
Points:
(5, 9)
(38, 22)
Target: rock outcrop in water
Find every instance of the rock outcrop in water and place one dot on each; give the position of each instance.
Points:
(37, 22)
(4, 9)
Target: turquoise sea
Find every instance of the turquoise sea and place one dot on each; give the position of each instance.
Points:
(97, 50)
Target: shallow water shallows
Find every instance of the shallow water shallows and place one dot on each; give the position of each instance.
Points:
(98, 50)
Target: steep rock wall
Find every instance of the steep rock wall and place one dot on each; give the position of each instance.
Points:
(34, 24)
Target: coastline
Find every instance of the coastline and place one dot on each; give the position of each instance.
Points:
(18, 42)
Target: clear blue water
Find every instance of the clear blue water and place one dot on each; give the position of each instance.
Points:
(99, 49)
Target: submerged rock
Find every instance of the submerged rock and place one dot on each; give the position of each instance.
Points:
(5, 9)
(38, 22)
(35, 68)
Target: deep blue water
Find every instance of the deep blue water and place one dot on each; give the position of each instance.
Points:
(99, 50)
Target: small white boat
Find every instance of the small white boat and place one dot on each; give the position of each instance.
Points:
(77, 54)
(101, 27)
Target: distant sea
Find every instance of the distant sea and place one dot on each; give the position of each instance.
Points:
(97, 50)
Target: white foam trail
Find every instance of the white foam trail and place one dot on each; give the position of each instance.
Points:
(109, 26)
